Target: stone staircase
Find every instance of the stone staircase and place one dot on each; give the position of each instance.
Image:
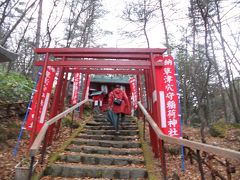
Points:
(98, 152)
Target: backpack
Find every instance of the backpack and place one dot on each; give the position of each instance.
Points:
(117, 101)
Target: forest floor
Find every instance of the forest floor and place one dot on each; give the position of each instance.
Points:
(191, 171)
(8, 161)
(173, 157)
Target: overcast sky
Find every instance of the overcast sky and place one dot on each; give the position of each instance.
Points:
(112, 22)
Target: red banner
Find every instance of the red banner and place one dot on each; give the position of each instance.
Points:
(76, 86)
(133, 87)
(88, 86)
(47, 88)
(168, 96)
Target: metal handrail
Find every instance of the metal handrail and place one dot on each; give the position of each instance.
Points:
(228, 153)
(37, 142)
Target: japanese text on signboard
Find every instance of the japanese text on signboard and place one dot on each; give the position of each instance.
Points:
(168, 96)
(76, 86)
(133, 87)
(44, 101)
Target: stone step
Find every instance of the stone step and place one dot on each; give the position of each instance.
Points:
(104, 150)
(98, 152)
(92, 171)
(112, 132)
(105, 120)
(107, 137)
(110, 127)
(92, 123)
(99, 116)
(96, 159)
(105, 143)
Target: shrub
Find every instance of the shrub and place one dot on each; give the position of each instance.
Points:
(14, 87)
(3, 134)
(218, 129)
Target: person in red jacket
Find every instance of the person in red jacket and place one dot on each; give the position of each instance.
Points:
(119, 103)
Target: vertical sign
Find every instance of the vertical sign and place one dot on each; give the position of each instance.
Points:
(133, 87)
(76, 86)
(168, 96)
(47, 88)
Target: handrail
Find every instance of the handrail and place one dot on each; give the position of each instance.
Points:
(37, 142)
(235, 155)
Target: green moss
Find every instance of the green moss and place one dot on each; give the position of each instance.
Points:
(99, 173)
(235, 125)
(54, 157)
(10, 131)
(3, 134)
(218, 129)
(148, 155)
(14, 125)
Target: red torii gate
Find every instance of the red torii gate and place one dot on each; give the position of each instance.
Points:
(138, 61)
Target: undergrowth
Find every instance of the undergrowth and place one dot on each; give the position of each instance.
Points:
(14, 87)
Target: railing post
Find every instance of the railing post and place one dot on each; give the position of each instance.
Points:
(229, 170)
(31, 168)
(162, 158)
(144, 127)
(71, 126)
(200, 164)
(45, 144)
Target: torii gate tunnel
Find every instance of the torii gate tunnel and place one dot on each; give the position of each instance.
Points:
(147, 62)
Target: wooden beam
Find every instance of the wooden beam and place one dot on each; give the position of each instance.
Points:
(37, 142)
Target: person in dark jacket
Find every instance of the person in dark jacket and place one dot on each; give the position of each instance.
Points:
(119, 103)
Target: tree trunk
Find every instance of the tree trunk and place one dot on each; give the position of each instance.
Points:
(220, 80)
(165, 28)
(5, 38)
(39, 22)
(4, 14)
(236, 109)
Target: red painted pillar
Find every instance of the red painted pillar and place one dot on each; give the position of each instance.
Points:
(158, 119)
(153, 136)
(62, 99)
(140, 94)
(147, 86)
(55, 104)
(84, 94)
(149, 108)
(41, 82)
